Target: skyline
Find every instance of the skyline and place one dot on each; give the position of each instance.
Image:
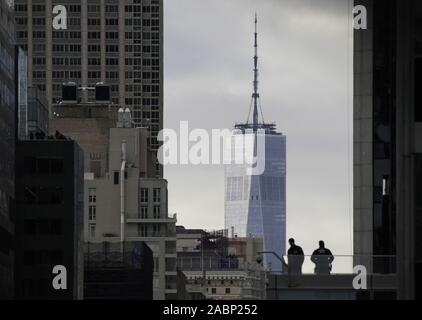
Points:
(86, 211)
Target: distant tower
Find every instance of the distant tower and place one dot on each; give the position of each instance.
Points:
(255, 205)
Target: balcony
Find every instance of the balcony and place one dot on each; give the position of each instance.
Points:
(137, 218)
(150, 234)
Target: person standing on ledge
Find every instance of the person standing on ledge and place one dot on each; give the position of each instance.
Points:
(295, 258)
(323, 258)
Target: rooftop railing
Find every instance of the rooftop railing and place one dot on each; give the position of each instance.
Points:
(337, 264)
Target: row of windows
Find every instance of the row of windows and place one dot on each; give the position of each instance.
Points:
(143, 62)
(43, 195)
(143, 101)
(144, 195)
(66, 35)
(66, 48)
(92, 8)
(142, 36)
(149, 230)
(38, 74)
(144, 214)
(43, 166)
(43, 227)
(66, 61)
(97, 48)
(145, 9)
(42, 257)
(66, 74)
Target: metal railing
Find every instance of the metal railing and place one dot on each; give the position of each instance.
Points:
(337, 264)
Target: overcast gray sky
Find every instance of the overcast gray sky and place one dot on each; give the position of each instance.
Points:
(305, 86)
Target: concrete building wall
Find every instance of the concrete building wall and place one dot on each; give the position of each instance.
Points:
(362, 164)
(90, 126)
(146, 215)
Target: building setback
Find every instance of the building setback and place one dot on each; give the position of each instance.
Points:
(49, 218)
(119, 43)
(7, 147)
(89, 125)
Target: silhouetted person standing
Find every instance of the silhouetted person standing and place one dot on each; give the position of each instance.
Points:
(296, 258)
(323, 258)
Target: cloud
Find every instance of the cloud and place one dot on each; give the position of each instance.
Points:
(304, 84)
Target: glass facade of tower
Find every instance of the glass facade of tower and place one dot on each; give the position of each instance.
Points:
(255, 204)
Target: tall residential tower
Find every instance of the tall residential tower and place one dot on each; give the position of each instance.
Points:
(117, 42)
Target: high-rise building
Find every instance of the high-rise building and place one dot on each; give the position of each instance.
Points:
(49, 218)
(255, 202)
(388, 143)
(119, 43)
(7, 146)
(37, 116)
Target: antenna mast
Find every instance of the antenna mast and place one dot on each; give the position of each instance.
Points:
(255, 95)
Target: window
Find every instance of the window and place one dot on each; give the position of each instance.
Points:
(157, 212)
(92, 213)
(142, 230)
(157, 195)
(91, 230)
(42, 257)
(144, 212)
(93, 8)
(227, 290)
(94, 22)
(30, 165)
(92, 195)
(56, 166)
(144, 195)
(43, 166)
(112, 22)
(35, 227)
(112, 8)
(155, 230)
(116, 177)
(213, 290)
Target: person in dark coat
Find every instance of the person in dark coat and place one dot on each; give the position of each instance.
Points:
(295, 258)
(323, 259)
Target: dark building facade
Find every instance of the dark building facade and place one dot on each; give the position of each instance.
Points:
(388, 142)
(118, 271)
(7, 146)
(49, 218)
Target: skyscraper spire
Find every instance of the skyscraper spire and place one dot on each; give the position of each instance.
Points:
(255, 125)
(255, 95)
